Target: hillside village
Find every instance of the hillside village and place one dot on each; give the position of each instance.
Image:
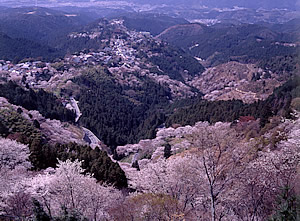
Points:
(121, 54)
(118, 55)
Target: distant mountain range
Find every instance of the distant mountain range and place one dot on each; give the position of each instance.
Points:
(226, 42)
(39, 24)
(48, 30)
(35, 32)
(17, 49)
(42, 32)
(153, 23)
(267, 4)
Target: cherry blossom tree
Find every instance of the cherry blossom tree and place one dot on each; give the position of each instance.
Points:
(147, 206)
(209, 179)
(14, 167)
(13, 154)
(269, 173)
(221, 159)
(67, 187)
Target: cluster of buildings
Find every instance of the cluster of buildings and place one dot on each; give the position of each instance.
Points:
(115, 49)
(120, 49)
(27, 72)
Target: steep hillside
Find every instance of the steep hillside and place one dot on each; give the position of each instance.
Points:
(136, 74)
(153, 23)
(120, 114)
(278, 103)
(18, 49)
(46, 103)
(39, 24)
(233, 80)
(290, 26)
(179, 33)
(221, 43)
(36, 32)
(192, 164)
(139, 76)
(51, 140)
(133, 48)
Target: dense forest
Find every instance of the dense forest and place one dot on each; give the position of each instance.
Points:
(14, 126)
(153, 23)
(44, 154)
(222, 43)
(94, 161)
(174, 62)
(19, 48)
(197, 109)
(288, 64)
(46, 103)
(118, 114)
(42, 25)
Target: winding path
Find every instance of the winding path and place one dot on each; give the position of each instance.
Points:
(74, 104)
(89, 136)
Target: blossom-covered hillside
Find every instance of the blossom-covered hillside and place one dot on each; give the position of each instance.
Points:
(218, 174)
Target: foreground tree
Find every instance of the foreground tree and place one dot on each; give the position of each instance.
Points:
(224, 177)
(266, 174)
(221, 158)
(13, 155)
(147, 207)
(200, 176)
(14, 167)
(67, 187)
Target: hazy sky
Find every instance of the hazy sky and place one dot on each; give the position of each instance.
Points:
(210, 3)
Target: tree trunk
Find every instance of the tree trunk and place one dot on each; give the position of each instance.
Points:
(212, 205)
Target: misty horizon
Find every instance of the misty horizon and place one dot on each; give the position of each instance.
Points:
(265, 4)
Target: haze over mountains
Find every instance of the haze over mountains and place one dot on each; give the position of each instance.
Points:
(267, 4)
(192, 10)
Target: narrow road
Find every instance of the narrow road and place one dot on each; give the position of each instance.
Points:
(89, 136)
(92, 139)
(247, 93)
(74, 104)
